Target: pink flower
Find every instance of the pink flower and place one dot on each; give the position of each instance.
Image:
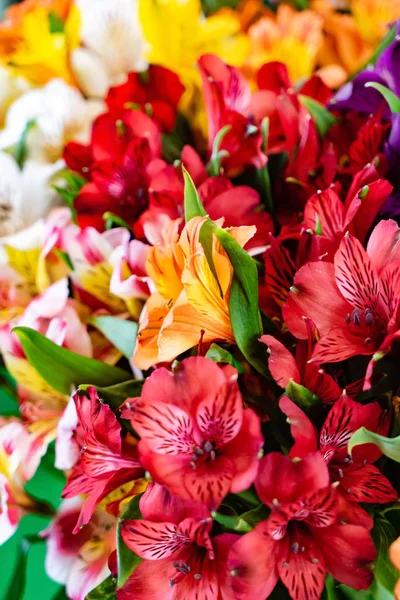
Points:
(196, 438)
(305, 536)
(106, 460)
(180, 560)
(359, 480)
(80, 560)
(354, 301)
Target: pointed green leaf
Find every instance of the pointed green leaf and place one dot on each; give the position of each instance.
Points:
(243, 302)
(115, 395)
(390, 97)
(105, 591)
(322, 117)
(389, 446)
(248, 520)
(220, 355)
(63, 369)
(20, 150)
(17, 585)
(385, 572)
(301, 396)
(127, 560)
(193, 205)
(120, 332)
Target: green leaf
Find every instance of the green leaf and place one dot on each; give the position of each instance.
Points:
(115, 395)
(127, 560)
(248, 520)
(47, 484)
(63, 369)
(20, 150)
(9, 405)
(111, 220)
(385, 43)
(390, 97)
(55, 24)
(105, 591)
(214, 165)
(385, 572)
(322, 117)
(120, 332)
(193, 205)
(18, 582)
(301, 396)
(220, 355)
(350, 594)
(243, 303)
(64, 257)
(211, 6)
(227, 521)
(60, 595)
(389, 446)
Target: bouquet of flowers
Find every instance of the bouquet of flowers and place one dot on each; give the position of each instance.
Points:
(200, 299)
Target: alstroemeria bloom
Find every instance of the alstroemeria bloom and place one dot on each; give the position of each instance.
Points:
(109, 270)
(329, 218)
(80, 560)
(360, 480)
(156, 92)
(238, 205)
(196, 438)
(15, 471)
(58, 114)
(285, 367)
(190, 303)
(123, 154)
(290, 37)
(106, 462)
(228, 101)
(57, 317)
(180, 559)
(219, 33)
(306, 535)
(30, 47)
(112, 45)
(354, 301)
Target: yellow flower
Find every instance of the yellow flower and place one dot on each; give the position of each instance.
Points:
(373, 17)
(291, 37)
(190, 303)
(37, 50)
(178, 35)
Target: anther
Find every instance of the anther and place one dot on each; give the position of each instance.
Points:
(356, 316)
(208, 447)
(295, 548)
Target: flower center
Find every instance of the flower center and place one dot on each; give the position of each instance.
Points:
(203, 454)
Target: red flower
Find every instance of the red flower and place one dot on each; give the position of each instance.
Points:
(196, 438)
(305, 536)
(228, 102)
(106, 461)
(239, 205)
(329, 218)
(156, 92)
(353, 302)
(359, 479)
(284, 367)
(124, 153)
(180, 558)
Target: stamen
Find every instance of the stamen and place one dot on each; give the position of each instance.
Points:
(295, 548)
(213, 454)
(369, 317)
(197, 576)
(356, 316)
(208, 447)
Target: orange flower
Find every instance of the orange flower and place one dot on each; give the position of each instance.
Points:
(190, 302)
(395, 558)
(291, 37)
(349, 40)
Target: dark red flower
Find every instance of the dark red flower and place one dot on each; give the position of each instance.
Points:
(156, 92)
(124, 152)
(306, 535)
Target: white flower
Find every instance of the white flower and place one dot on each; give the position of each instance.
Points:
(58, 113)
(113, 44)
(25, 198)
